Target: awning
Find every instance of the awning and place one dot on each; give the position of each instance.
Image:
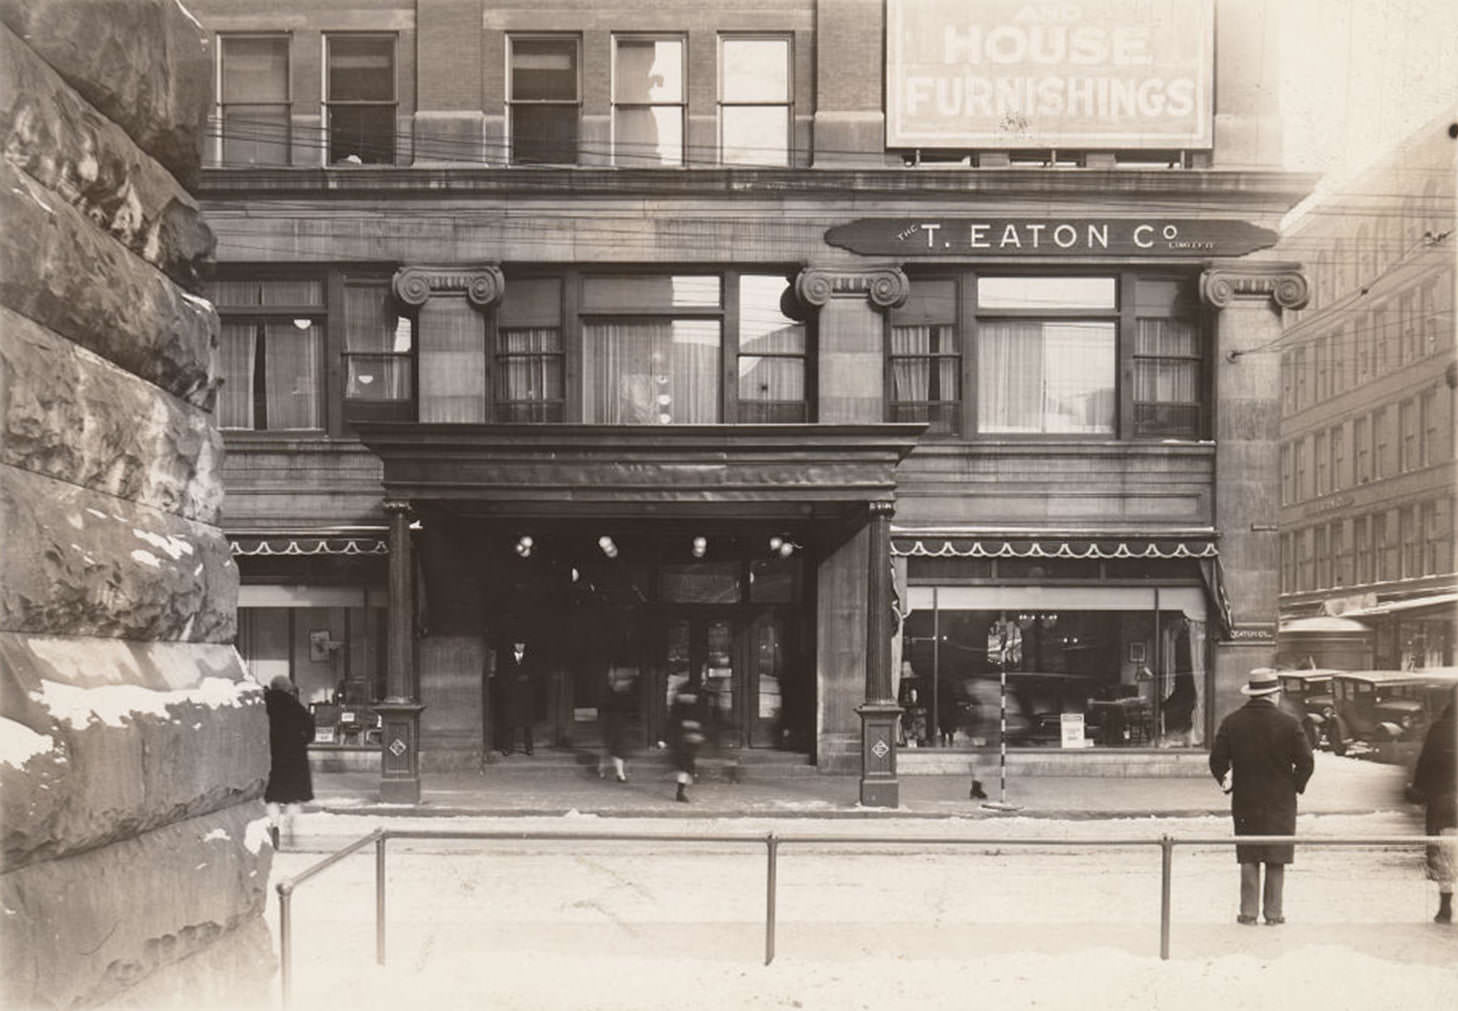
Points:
(1444, 601)
(254, 547)
(970, 544)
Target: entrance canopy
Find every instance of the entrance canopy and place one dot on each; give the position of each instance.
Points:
(633, 470)
(972, 543)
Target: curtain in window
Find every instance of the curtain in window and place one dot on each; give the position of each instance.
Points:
(292, 364)
(1009, 376)
(377, 340)
(1170, 380)
(237, 352)
(911, 377)
(651, 372)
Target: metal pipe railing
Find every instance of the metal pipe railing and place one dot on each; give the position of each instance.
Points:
(772, 844)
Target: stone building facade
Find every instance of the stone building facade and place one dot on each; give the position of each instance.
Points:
(837, 357)
(134, 746)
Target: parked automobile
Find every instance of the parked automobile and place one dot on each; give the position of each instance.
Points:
(1306, 695)
(1389, 710)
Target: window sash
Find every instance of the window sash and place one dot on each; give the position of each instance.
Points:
(648, 94)
(651, 371)
(1046, 377)
(271, 370)
(529, 374)
(360, 98)
(755, 95)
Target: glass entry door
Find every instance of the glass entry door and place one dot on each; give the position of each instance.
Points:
(739, 662)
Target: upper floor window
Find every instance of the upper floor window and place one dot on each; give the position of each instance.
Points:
(648, 101)
(925, 357)
(651, 349)
(773, 354)
(1046, 360)
(271, 353)
(379, 353)
(754, 101)
(253, 106)
(1362, 450)
(544, 89)
(1337, 441)
(529, 366)
(1168, 360)
(359, 99)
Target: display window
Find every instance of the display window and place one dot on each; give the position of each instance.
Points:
(1078, 666)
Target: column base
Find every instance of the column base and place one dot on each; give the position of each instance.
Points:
(400, 751)
(879, 785)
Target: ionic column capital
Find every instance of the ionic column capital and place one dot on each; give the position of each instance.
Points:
(482, 284)
(1283, 283)
(886, 287)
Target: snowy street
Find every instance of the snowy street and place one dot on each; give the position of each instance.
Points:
(541, 924)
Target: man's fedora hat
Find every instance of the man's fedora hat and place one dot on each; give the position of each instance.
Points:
(1263, 681)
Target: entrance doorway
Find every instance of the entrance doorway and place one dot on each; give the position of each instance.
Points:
(740, 660)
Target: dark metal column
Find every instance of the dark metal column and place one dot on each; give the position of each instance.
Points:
(400, 711)
(879, 713)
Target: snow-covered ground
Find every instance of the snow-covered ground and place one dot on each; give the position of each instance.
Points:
(603, 925)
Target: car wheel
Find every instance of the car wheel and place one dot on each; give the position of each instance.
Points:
(1335, 734)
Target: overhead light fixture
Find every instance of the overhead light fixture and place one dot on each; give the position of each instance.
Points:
(608, 547)
(524, 545)
(700, 546)
(782, 546)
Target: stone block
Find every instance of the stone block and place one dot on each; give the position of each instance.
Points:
(50, 133)
(78, 562)
(169, 894)
(235, 972)
(73, 416)
(144, 64)
(108, 738)
(63, 272)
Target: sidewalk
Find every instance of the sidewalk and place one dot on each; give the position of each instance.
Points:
(1339, 786)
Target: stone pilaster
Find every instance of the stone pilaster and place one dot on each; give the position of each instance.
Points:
(1248, 297)
(451, 356)
(879, 785)
(852, 304)
(400, 743)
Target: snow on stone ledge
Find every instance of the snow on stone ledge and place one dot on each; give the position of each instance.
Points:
(115, 704)
(19, 744)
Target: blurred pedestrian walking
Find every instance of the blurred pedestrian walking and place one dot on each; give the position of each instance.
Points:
(686, 719)
(1435, 784)
(617, 716)
(290, 729)
(1268, 757)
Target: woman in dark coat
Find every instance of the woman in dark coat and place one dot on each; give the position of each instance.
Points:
(1269, 758)
(617, 714)
(290, 729)
(1435, 783)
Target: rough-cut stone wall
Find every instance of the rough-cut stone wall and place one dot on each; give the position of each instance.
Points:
(133, 747)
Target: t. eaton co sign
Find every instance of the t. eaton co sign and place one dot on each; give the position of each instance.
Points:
(1004, 74)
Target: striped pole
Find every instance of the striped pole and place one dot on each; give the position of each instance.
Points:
(1004, 644)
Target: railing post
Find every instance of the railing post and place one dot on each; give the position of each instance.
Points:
(380, 898)
(1166, 861)
(772, 847)
(285, 943)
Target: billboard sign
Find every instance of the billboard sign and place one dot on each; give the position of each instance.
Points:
(1005, 74)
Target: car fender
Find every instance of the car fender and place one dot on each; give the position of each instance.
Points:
(1391, 730)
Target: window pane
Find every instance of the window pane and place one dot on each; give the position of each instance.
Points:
(648, 136)
(293, 363)
(237, 347)
(255, 135)
(544, 70)
(756, 70)
(780, 379)
(365, 131)
(361, 69)
(253, 292)
(544, 134)
(755, 135)
(763, 329)
(605, 292)
(1037, 377)
(1045, 292)
(255, 70)
(648, 70)
(651, 372)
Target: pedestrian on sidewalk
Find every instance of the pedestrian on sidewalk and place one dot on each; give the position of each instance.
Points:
(517, 671)
(290, 729)
(617, 715)
(686, 720)
(1435, 784)
(1268, 757)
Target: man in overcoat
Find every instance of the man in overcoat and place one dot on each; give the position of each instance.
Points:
(516, 670)
(1435, 784)
(1269, 759)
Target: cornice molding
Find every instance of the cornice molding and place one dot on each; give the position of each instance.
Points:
(886, 287)
(482, 284)
(1283, 283)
